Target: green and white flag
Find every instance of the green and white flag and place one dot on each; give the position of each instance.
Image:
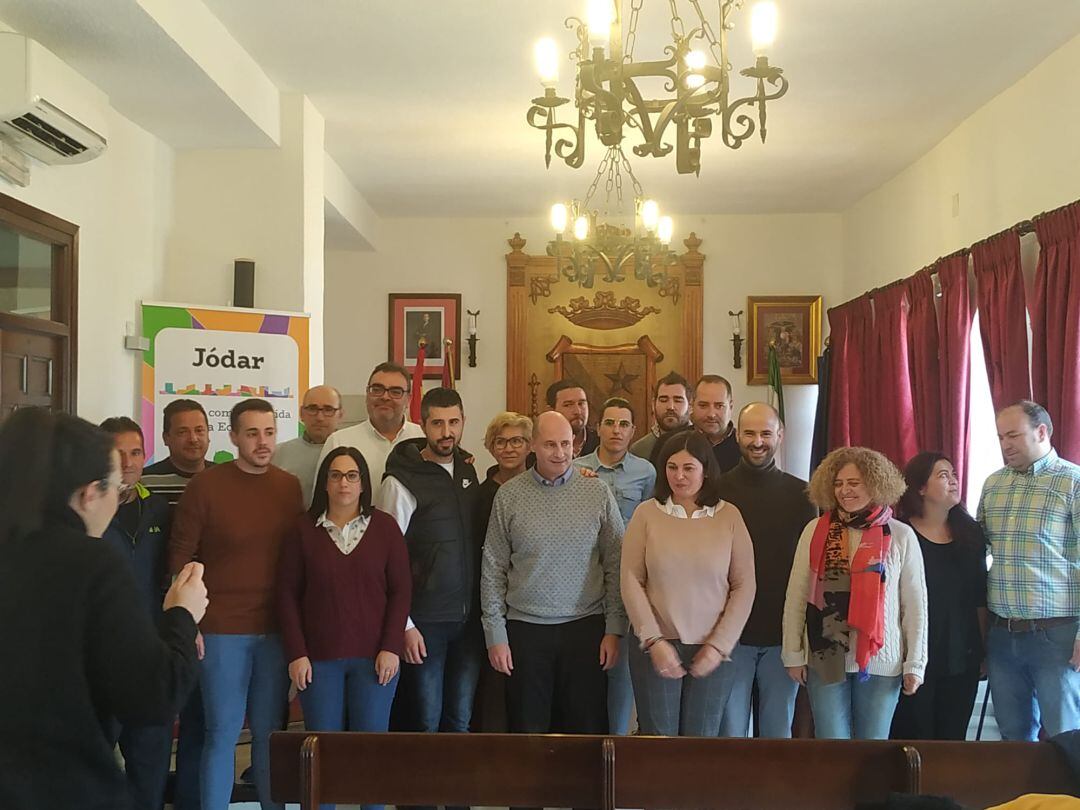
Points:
(776, 388)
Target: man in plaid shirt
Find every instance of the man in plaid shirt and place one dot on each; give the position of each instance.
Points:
(1030, 511)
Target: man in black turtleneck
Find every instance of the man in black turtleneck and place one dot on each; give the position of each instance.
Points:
(776, 510)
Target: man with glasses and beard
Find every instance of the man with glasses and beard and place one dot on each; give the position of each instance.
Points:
(775, 509)
(431, 489)
(386, 425)
(671, 408)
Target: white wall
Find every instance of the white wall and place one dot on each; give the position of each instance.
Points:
(745, 255)
(1016, 156)
(122, 204)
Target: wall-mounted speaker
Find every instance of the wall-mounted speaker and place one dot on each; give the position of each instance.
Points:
(243, 283)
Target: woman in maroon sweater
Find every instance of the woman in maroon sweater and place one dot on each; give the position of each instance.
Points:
(344, 589)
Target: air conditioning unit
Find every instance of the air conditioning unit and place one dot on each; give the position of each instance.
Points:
(47, 110)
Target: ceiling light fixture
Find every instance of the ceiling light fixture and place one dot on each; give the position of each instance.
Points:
(607, 92)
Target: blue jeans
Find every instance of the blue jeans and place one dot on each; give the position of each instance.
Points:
(679, 707)
(240, 673)
(776, 694)
(439, 693)
(620, 691)
(345, 694)
(1031, 681)
(853, 709)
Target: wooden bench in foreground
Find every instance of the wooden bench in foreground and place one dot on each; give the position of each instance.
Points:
(551, 770)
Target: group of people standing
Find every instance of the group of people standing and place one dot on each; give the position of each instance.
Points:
(370, 570)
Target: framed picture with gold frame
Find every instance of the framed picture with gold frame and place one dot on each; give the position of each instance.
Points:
(791, 323)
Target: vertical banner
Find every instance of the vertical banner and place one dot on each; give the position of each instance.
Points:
(217, 356)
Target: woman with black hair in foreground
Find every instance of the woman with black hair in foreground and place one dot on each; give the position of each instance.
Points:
(79, 646)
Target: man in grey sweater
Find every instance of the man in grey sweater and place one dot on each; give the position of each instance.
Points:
(549, 589)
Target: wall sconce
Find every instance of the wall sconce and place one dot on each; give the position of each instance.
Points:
(473, 316)
(736, 336)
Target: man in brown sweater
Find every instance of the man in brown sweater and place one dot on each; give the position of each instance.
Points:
(233, 518)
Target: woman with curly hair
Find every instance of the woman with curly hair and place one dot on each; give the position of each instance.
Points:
(855, 626)
(954, 553)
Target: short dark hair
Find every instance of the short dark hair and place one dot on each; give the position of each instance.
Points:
(712, 378)
(618, 402)
(674, 378)
(1036, 414)
(115, 425)
(391, 368)
(699, 447)
(47, 457)
(562, 385)
(245, 406)
(320, 500)
(179, 406)
(440, 398)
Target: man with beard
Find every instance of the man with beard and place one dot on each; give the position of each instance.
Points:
(568, 398)
(711, 414)
(431, 489)
(234, 518)
(386, 425)
(186, 432)
(671, 407)
(775, 509)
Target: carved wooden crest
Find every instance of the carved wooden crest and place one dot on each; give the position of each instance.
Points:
(603, 312)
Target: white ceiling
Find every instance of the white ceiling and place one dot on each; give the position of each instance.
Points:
(425, 101)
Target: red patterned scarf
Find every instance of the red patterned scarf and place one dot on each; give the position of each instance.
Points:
(865, 611)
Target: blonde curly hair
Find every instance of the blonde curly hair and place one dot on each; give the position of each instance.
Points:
(883, 480)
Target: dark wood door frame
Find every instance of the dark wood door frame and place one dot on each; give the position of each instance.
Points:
(64, 236)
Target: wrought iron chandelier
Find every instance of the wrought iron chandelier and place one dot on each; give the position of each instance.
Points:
(594, 242)
(607, 92)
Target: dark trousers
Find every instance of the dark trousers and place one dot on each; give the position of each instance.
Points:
(557, 684)
(438, 694)
(146, 751)
(189, 745)
(940, 710)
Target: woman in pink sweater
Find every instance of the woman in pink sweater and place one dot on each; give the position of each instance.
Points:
(688, 586)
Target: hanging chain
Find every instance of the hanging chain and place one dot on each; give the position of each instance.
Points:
(609, 184)
(631, 36)
(678, 30)
(710, 35)
(638, 191)
(592, 186)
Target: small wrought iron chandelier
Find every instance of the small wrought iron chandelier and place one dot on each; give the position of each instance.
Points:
(606, 84)
(593, 241)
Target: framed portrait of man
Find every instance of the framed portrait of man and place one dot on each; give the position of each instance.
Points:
(791, 324)
(428, 319)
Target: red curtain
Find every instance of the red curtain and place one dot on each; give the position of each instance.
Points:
(849, 325)
(1055, 326)
(1003, 317)
(923, 361)
(954, 332)
(887, 385)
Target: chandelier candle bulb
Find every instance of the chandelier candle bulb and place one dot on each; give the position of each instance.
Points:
(664, 230)
(581, 228)
(763, 24)
(600, 14)
(559, 218)
(695, 60)
(650, 215)
(694, 80)
(546, 57)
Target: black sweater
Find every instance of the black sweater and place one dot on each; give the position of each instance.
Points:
(775, 508)
(79, 648)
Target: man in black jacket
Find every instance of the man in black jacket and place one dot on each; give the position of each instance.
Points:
(431, 488)
(139, 534)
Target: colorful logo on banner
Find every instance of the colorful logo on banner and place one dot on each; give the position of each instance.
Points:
(217, 357)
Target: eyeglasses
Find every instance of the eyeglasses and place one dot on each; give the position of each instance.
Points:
(321, 410)
(394, 391)
(516, 442)
(352, 476)
(623, 423)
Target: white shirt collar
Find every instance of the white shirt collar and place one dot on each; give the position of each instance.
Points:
(348, 538)
(671, 508)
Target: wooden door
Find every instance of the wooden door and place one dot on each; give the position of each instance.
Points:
(29, 370)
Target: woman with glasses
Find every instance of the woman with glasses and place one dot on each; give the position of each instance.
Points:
(344, 589)
(507, 439)
(81, 646)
